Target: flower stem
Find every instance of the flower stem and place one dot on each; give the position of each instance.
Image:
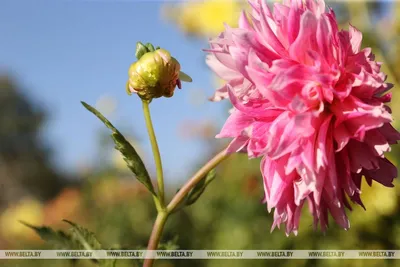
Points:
(197, 177)
(177, 199)
(156, 154)
(156, 235)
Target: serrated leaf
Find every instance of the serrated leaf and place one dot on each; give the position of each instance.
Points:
(130, 155)
(141, 49)
(57, 239)
(83, 239)
(184, 77)
(83, 236)
(150, 47)
(77, 238)
(198, 190)
(88, 241)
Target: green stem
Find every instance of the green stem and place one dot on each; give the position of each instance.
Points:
(162, 216)
(156, 153)
(156, 235)
(197, 177)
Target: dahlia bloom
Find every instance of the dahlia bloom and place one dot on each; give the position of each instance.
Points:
(308, 101)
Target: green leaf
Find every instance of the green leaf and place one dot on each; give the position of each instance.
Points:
(198, 190)
(140, 50)
(57, 239)
(87, 240)
(184, 77)
(76, 238)
(83, 236)
(130, 155)
(150, 47)
(169, 245)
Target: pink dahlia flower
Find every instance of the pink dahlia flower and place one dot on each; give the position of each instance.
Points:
(310, 103)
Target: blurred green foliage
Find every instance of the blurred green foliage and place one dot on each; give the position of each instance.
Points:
(229, 215)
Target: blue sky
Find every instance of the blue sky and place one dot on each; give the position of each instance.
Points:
(62, 52)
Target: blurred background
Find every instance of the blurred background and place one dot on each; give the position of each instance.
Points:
(57, 160)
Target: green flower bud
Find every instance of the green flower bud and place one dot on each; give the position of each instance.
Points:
(155, 74)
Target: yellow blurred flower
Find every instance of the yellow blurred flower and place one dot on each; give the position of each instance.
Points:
(28, 210)
(204, 18)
